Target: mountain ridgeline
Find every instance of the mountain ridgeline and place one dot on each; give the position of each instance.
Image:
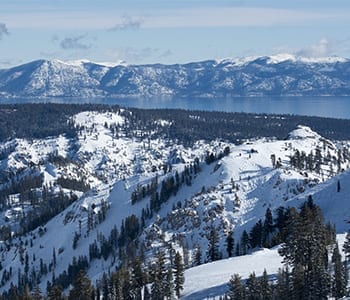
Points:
(262, 76)
(139, 198)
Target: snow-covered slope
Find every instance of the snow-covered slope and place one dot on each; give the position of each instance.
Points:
(210, 281)
(278, 75)
(105, 165)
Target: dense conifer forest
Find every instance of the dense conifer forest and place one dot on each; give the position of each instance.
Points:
(42, 120)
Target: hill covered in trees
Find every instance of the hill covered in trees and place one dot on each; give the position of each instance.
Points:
(139, 197)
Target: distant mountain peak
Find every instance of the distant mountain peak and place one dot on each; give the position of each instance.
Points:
(81, 62)
(276, 75)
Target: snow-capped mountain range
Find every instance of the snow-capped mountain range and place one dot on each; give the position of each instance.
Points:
(231, 193)
(279, 75)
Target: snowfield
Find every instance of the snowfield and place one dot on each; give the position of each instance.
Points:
(210, 280)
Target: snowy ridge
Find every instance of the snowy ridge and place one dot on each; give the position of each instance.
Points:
(277, 75)
(231, 193)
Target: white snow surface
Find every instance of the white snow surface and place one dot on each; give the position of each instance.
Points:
(210, 280)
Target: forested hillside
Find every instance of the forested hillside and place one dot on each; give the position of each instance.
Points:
(115, 203)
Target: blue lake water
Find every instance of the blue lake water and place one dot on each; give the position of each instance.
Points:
(335, 107)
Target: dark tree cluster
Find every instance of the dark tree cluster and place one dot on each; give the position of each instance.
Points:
(45, 205)
(73, 184)
(117, 241)
(314, 160)
(20, 184)
(143, 191)
(210, 157)
(190, 126)
(40, 120)
(43, 120)
(308, 243)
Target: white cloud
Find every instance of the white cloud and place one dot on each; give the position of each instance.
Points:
(322, 49)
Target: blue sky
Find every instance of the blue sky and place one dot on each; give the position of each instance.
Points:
(178, 31)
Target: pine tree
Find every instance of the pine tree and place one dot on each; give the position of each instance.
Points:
(265, 287)
(268, 228)
(55, 293)
(179, 279)
(282, 289)
(213, 240)
(230, 243)
(298, 283)
(244, 243)
(256, 235)
(82, 288)
(137, 278)
(198, 256)
(26, 293)
(305, 249)
(346, 246)
(339, 276)
(253, 289)
(13, 292)
(159, 278)
(36, 294)
(236, 288)
(169, 285)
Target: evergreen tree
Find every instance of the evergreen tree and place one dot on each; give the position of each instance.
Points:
(230, 243)
(82, 288)
(282, 289)
(179, 279)
(253, 289)
(26, 293)
(55, 293)
(256, 235)
(137, 278)
(298, 283)
(236, 288)
(339, 277)
(268, 228)
(36, 294)
(198, 256)
(159, 278)
(265, 287)
(346, 246)
(13, 292)
(169, 285)
(213, 241)
(244, 243)
(305, 250)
